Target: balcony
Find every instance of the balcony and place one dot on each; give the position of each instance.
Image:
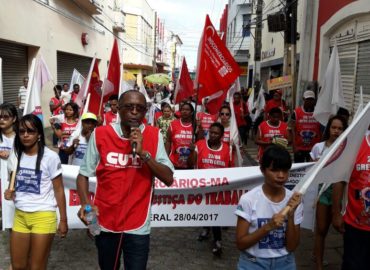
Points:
(93, 7)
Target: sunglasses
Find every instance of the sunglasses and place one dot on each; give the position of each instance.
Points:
(226, 114)
(29, 131)
(5, 117)
(131, 107)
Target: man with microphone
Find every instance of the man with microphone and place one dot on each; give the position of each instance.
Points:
(125, 157)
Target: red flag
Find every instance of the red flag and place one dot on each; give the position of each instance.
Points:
(111, 84)
(215, 101)
(184, 85)
(94, 89)
(216, 69)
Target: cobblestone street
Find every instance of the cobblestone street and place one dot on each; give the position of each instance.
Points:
(172, 248)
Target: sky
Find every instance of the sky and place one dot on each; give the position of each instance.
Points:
(186, 19)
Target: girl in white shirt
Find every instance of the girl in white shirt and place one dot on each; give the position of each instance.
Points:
(265, 236)
(8, 123)
(38, 192)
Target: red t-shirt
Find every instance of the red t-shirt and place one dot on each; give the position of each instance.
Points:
(67, 130)
(73, 97)
(55, 101)
(238, 108)
(157, 115)
(307, 130)
(110, 117)
(208, 158)
(206, 120)
(181, 138)
(268, 131)
(358, 207)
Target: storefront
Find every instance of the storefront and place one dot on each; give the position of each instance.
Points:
(15, 68)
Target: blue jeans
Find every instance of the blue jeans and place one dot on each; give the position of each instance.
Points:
(135, 249)
(249, 262)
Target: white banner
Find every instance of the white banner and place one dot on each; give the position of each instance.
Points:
(196, 198)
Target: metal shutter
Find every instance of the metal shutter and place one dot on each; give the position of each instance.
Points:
(363, 72)
(347, 60)
(66, 62)
(15, 68)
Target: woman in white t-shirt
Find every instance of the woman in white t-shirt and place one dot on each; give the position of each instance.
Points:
(38, 192)
(8, 122)
(335, 127)
(77, 145)
(264, 235)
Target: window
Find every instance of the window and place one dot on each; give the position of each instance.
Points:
(246, 25)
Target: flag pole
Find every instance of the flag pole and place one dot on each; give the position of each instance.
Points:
(195, 113)
(102, 92)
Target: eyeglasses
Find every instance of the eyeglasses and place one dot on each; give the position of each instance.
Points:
(22, 131)
(5, 117)
(131, 107)
(226, 114)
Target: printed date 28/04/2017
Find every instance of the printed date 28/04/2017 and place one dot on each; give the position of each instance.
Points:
(195, 217)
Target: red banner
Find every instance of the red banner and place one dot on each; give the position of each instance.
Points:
(216, 69)
(184, 87)
(94, 89)
(109, 87)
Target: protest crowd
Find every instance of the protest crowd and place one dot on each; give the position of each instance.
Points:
(139, 131)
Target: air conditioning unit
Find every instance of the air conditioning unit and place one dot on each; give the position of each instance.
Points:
(276, 22)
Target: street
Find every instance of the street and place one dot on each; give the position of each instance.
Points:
(172, 248)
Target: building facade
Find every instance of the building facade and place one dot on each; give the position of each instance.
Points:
(140, 22)
(347, 23)
(238, 34)
(66, 33)
(273, 45)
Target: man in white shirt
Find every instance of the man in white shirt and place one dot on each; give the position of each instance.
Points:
(22, 95)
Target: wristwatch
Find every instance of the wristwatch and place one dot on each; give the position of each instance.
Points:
(146, 157)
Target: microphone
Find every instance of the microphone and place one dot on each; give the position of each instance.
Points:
(134, 144)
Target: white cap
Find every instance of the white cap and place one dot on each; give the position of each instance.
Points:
(309, 94)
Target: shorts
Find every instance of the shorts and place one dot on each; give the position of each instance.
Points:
(41, 222)
(326, 196)
(250, 262)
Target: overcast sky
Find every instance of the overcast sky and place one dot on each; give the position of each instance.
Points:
(186, 18)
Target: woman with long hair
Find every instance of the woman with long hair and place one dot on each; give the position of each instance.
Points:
(336, 125)
(38, 192)
(65, 129)
(8, 125)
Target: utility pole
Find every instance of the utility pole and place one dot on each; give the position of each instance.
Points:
(290, 42)
(258, 42)
(155, 44)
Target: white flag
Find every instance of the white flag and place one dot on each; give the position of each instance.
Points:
(331, 95)
(234, 132)
(143, 91)
(85, 86)
(77, 78)
(337, 163)
(260, 103)
(1, 82)
(40, 75)
(251, 100)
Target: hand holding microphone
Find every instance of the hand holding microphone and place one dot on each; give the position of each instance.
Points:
(136, 139)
